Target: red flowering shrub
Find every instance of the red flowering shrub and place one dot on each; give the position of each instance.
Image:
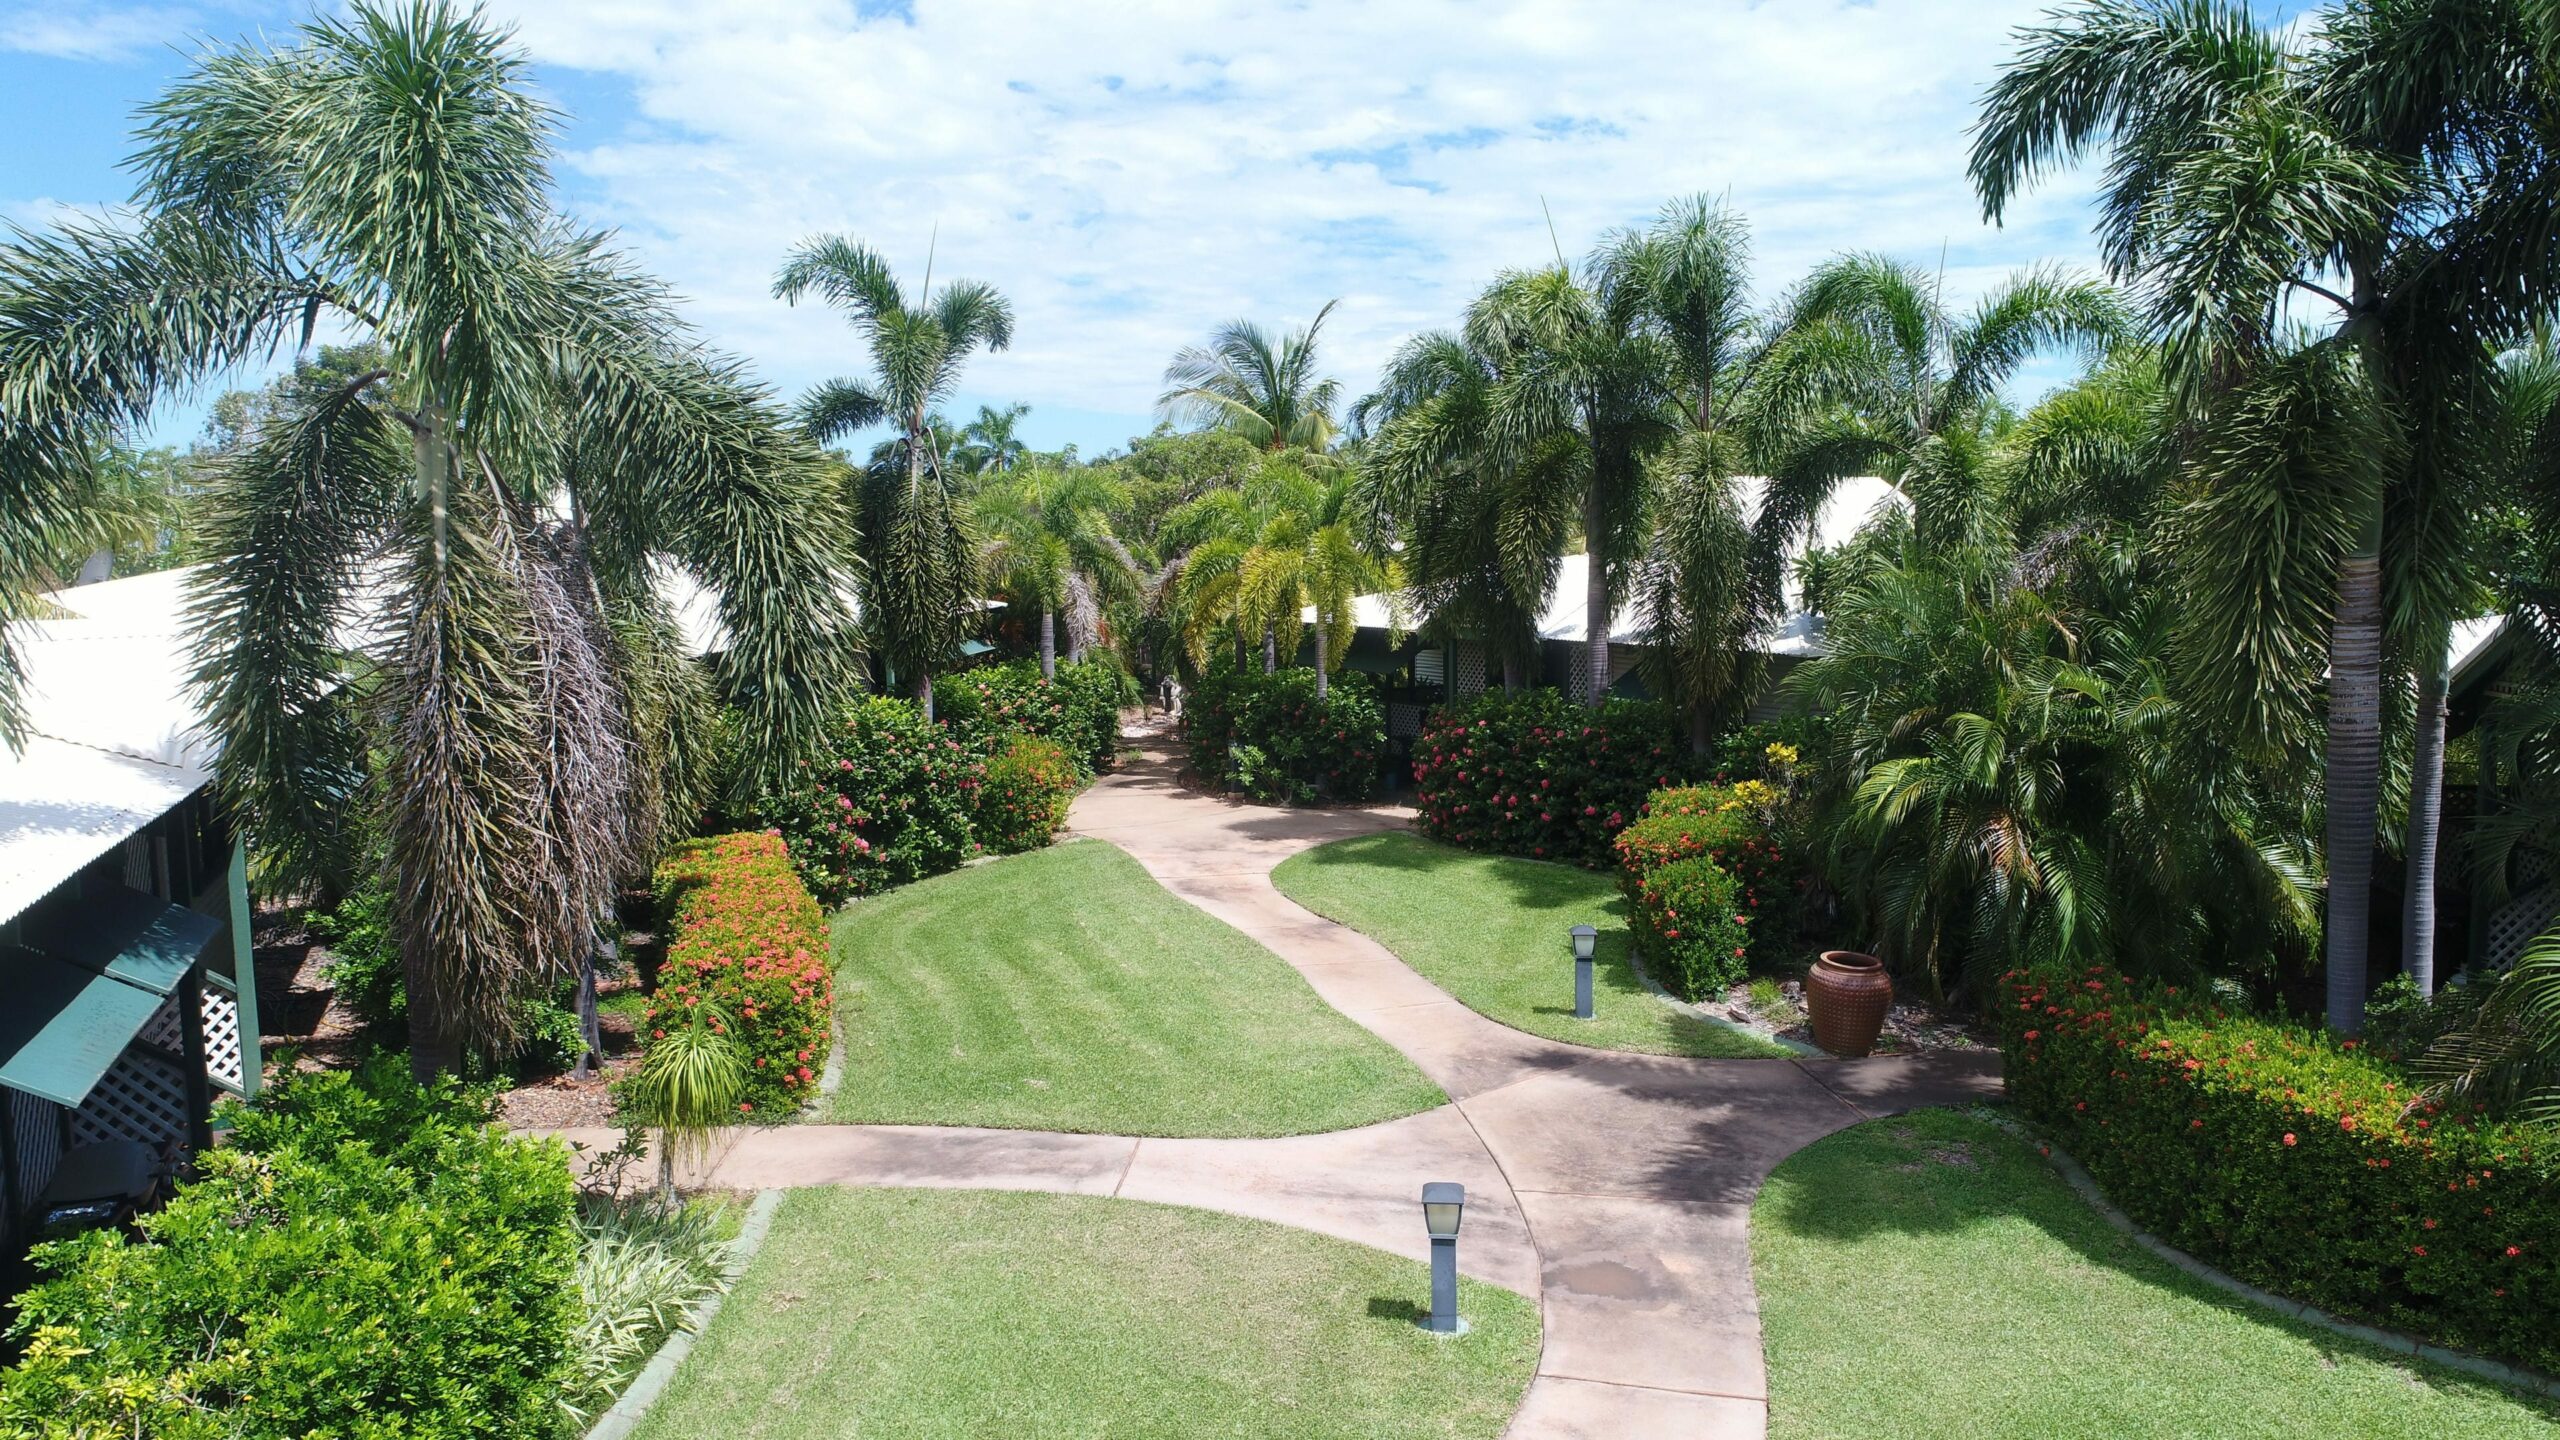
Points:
(889, 804)
(1727, 824)
(746, 937)
(1080, 709)
(1269, 736)
(1535, 774)
(1029, 784)
(2295, 1161)
(1687, 918)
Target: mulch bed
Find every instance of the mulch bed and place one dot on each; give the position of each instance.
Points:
(1910, 1028)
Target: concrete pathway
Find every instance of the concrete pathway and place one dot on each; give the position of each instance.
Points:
(1615, 1188)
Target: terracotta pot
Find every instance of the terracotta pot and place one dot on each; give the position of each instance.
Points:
(1847, 994)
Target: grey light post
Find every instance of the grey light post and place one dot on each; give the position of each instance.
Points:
(1585, 940)
(1443, 1203)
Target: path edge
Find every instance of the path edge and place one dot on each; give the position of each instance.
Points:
(2518, 1377)
(627, 1411)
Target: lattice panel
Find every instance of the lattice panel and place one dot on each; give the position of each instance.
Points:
(1404, 719)
(1622, 658)
(1466, 669)
(222, 1040)
(36, 1127)
(2517, 923)
(167, 1028)
(141, 1097)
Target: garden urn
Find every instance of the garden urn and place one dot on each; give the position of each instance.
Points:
(1847, 994)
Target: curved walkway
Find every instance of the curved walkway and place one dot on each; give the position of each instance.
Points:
(1615, 1187)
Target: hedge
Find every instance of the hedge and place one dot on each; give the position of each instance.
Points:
(889, 804)
(1727, 824)
(1030, 782)
(1282, 744)
(744, 935)
(1080, 709)
(2296, 1161)
(1535, 774)
(365, 1258)
(1688, 920)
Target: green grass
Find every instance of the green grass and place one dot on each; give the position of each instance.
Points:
(1491, 930)
(1929, 1277)
(942, 1313)
(1067, 990)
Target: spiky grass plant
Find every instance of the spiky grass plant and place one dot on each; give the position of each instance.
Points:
(689, 1088)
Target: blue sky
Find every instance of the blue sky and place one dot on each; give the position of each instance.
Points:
(1132, 174)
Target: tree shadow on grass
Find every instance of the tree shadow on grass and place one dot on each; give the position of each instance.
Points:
(1943, 1173)
(1567, 890)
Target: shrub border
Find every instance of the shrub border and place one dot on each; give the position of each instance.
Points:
(2520, 1377)
(627, 1411)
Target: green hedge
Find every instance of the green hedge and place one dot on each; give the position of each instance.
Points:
(367, 1259)
(1688, 920)
(888, 804)
(1535, 774)
(1728, 824)
(2295, 1161)
(1030, 783)
(1080, 709)
(745, 937)
(1278, 741)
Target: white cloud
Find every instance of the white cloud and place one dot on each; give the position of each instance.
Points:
(67, 30)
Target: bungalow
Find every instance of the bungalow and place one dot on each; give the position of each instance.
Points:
(124, 911)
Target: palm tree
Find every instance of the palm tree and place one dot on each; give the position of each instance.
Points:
(1215, 538)
(1261, 388)
(1050, 542)
(921, 562)
(2386, 167)
(988, 444)
(1870, 373)
(491, 498)
(1306, 561)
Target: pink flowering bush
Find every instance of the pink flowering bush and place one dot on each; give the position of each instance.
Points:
(890, 803)
(1030, 783)
(2294, 1160)
(1535, 774)
(745, 937)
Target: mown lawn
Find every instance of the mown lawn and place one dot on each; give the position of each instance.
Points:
(1067, 990)
(1929, 1277)
(1492, 931)
(964, 1314)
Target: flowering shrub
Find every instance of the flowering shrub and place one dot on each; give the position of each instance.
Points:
(1080, 709)
(1284, 745)
(745, 937)
(890, 805)
(1030, 782)
(1688, 919)
(2294, 1160)
(1728, 824)
(366, 1257)
(1535, 774)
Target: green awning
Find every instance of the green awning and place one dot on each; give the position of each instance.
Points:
(93, 975)
(974, 648)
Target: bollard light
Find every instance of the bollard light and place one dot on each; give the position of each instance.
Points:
(1444, 1204)
(1585, 941)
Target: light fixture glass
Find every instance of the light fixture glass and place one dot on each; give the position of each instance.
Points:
(1585, 940)
(1443, 1202)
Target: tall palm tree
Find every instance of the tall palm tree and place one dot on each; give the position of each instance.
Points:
(490, 499)
(2385, 171)
(1215, 538)
(1261, 387)
(1309, 561)
(921, 562)
(1049, 540)
(988, 444)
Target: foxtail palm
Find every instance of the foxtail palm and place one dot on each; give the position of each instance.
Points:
(1309, 561)
(1213, 537)
(1261, 387)
(490, 501)
(921, 561)
(1050, 542)
(2386, 163)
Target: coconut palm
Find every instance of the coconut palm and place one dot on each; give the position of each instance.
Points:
(2383, 171)
(1259, 386)
(920, 560)
(988, 444)
(1049, 538)
(491, 502)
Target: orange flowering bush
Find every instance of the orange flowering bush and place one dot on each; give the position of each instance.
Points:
(1688, 919)
(1728, 824)
(746, 937)
(2294, 1160)
(1030, 783)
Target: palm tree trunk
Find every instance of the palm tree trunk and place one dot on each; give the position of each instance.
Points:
(924, 693)
(2426, 820)
(1510, 672)
(1320, 677)
(1270, 650)
(1595, 622)
(1700, 734)
(1048, 643)
(2354, 769)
